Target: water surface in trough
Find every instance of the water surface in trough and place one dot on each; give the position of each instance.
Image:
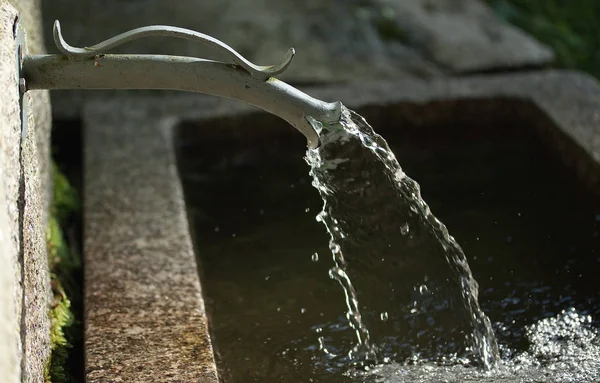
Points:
(529, 234)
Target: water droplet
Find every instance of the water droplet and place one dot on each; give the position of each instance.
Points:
(404, 229)
(321, 345)
(216, 229)
(233, 235)
(307, 210)
(261, 212)
(315, 257)
(302, 310)
(399, 174)
(423, 289)
(316, 124)
(267, 278)
(292, 186)
(364, 174)
(383, 316)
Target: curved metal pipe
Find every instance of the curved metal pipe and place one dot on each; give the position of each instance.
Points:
(90, 68)
(181, 73)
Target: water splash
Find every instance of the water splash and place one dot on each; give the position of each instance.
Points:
(374, 212)
(563, 348)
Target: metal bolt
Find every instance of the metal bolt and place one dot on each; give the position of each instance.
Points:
(22, 85)
(16, 27)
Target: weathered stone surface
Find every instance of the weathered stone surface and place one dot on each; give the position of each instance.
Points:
(31, 16)
(144, 312)
(35, 326)
(10, 272)
(25, 179)
(465, 35)
(10, 172)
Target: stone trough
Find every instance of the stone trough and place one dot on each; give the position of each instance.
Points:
(145, 313)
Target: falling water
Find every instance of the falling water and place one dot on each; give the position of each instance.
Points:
(374, 213)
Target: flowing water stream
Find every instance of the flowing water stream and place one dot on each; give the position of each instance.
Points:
(409, 308)
(374, 213)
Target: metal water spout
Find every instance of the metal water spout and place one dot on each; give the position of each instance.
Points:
(93, 68)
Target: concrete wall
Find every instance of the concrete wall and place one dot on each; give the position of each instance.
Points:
(24, 197)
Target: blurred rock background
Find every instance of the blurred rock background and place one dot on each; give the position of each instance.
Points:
(335, 40)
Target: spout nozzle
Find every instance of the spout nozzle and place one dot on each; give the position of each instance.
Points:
(330, 114)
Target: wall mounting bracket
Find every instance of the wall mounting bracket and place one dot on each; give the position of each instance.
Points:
(20, 48)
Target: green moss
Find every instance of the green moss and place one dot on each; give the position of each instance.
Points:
(64, 265)
(570, 27)
(65, 200)
(61, 319)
